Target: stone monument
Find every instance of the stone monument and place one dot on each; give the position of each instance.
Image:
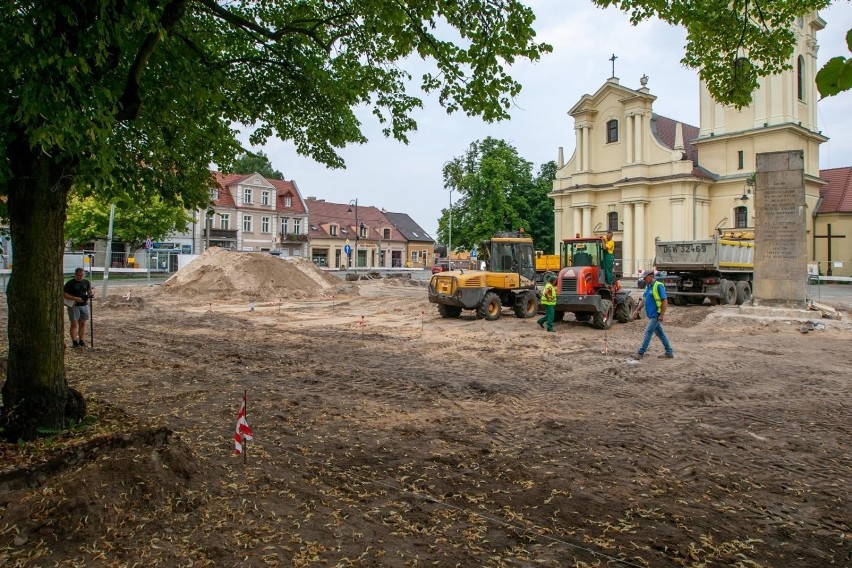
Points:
(780, 244)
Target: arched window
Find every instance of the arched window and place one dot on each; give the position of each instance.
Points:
(740, 217)
(612, 131)
(612, 221)
(800, 78)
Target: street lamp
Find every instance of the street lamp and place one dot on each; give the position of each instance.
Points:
(208, 222)
(450, 236)
(354, 203)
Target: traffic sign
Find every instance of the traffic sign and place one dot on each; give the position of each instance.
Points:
(473, 254)
(347, 249)
(148, 243)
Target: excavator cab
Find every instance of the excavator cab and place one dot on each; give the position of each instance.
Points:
(584, 254)
(511, 255)
(583, 257)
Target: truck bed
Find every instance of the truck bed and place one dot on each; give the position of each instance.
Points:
(718, 254)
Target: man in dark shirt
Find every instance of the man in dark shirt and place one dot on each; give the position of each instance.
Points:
(78, 290)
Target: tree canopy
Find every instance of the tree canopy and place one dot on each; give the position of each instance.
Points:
(251, 163)
(136, 99)
(88, 220)
(732, 44)
(497, 192)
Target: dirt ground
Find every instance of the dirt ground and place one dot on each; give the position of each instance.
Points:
(388, 436)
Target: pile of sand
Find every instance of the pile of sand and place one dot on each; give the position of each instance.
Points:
(228, 275)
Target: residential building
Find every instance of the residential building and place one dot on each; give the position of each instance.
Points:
(292, 219)
(252, 213)
(647, 177)
(372, 239)
(420, 247)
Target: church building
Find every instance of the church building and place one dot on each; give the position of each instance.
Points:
(646, 177)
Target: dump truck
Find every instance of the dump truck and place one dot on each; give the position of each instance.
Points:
(508, 281)
(545, 263)
(581, 289)
(721, 269)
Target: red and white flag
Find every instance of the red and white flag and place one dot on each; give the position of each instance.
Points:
(243, 428)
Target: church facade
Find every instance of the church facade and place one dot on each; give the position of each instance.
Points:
(647, 177)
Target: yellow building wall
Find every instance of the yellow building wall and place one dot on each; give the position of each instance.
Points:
(841, 249)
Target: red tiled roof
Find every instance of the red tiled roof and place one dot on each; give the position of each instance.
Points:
(282, 189)
(225, 197)
(837, 193)
(322, 213)
(665, 129)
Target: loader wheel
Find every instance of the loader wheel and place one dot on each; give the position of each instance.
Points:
(449, 311)
(490, 307)
(603, 319)
(729, 292)
(624, 311)
(743, 293)
(526, 306)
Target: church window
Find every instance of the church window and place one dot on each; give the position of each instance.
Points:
(740, 160)
(740, 217)
(800, 78)
(612, 131)
(612, 221)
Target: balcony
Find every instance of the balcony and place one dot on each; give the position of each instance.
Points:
(293, 238)
(223, 234)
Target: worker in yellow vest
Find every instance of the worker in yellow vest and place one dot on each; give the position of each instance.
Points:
(548, 300)
(655, 302)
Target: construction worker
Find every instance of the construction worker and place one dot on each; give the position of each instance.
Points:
(548, 300)
(608, 260)
(655, 302)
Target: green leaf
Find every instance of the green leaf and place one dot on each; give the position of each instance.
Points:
(834, 77)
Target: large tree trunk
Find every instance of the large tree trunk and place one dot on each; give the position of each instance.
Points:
(36, 392)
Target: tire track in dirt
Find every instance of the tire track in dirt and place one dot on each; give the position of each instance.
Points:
(642, 459)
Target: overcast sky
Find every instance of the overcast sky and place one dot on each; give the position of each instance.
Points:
(407, 178)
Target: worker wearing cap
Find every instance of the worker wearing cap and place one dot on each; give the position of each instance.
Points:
(548, 300)
(656, 304)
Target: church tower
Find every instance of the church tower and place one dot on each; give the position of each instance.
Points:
(782, 116)
(646, 177)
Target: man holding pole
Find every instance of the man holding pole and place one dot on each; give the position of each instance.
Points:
(77, 292)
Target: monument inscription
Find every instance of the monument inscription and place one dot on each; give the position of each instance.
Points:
(780, 263)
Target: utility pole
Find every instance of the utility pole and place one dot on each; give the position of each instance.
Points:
(108, 258)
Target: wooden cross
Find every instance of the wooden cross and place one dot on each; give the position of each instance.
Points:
(613, 58)
(829, 236)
